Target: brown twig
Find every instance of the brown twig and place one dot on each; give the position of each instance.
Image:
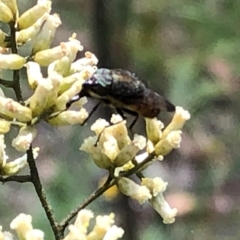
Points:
(6, 83)
(16, 78)
(108, 184)
(19, 179)
(34, 176)
(41, 194)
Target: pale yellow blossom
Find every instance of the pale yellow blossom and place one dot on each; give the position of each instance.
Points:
(35, 234)
(13, 109)
(6, 14)
(162, 207)
(155, 185)
(166, 145)
(33, 14)
(133, 190)
(22, 224)
(11, 61)
(46, 34)
(179, 118)
(69, 117)
(24, 138)
(34, 74)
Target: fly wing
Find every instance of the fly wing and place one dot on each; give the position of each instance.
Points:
(126, 86)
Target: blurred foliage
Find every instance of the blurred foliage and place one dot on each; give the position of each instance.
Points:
(187, 50)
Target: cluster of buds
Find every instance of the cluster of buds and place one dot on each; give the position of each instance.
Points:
(14, 166)
(36, 27)
(111, 148)
(104, 228)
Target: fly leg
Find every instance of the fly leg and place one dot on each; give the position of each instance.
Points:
(73, 100)
(104, 130)
(120, 112)
(91, 113)
(134, 121)
(76, 98)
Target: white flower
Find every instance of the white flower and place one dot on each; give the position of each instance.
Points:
(155, 185)
(179, 118)
(22, 224)
(162, 207)
(133, 190)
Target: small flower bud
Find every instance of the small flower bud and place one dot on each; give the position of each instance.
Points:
(45, 57)
(60, 66)
(164, 146)
(162, 207)
(89, 60)
(35, 234)
(39, 99)
(179, 118)
(133, 190)
(129, 152)
(12, 4)
(113, 233)
(68, 81)
(69, 118)
(4, 126)
(4, 39)
(103, 223)
(24, 138)
(100, 159)
(72, 47)
(110, 148)
(22, 224)
(12, 168)
(47, 32)
(155, 185)
(55, 80)
(14, 109)
(29, 33)
(153, 129)
(3, 155)
(118, 131)
(11, 61)
(99, 125)
(75, 234)
(150, 146)
(29, 17)
(67, 95)
(34, 74)
(6, 14)
(83, 219)
(5, 235)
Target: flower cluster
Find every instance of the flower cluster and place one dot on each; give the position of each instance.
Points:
(36, 28)
(111, 148)
(104, 228)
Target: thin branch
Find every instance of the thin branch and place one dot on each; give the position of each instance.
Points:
(6, 83)
(41, 194)
(16, 77)
(138, 167)
(19, 179)
(108, 184)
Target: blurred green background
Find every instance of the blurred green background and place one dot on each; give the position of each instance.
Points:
(187, 50)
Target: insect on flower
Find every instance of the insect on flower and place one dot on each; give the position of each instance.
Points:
(124, 91)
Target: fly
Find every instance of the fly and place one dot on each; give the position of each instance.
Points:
(124, 91)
